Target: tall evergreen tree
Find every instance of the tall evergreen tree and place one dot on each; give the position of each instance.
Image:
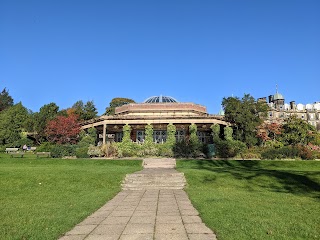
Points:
(5, 100)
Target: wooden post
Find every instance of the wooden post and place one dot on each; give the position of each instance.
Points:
(104, 133)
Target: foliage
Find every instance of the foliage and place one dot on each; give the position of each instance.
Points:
(110, 149)
(246, 115)
(181, 149)
(288, 152)
(63, 129)
(45, 147)
(215, 128)
(229, 148)
(148, 134)
(23, 141)
(12, 123)
(88, 138)
(82, 152)
(166, 149)
(194, 143)
(252, 153)
(6, 100)
(184, 149)
(40, 119)
(59, 151)
(94, 151)
(84, 111)
(269, 133)
(117, 102)
(297, 131)
(228, 133)
(127, 148)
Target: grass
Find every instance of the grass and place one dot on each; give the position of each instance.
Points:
(256, 199)
(43, 198)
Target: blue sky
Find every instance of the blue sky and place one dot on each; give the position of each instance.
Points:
(196, 51)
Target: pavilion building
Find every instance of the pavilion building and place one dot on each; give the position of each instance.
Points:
(159, 111)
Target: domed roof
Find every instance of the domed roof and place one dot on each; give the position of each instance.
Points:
(160, 99)
(278, 96)
(221, 112)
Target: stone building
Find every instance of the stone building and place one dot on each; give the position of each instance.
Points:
(279, 110)
(158, 111)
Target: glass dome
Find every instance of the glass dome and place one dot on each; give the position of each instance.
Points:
(160, 99)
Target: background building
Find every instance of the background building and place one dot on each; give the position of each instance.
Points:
(279, 110)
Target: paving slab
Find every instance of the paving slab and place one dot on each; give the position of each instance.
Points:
(145, 214)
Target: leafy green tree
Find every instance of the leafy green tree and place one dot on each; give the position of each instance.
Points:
(12, 123)
(5, 100)
(297, 131)
(246, 115)
(117, 102)
(47, 112)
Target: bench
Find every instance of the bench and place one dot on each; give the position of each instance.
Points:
(32, 149)
(12, 150)
(47, 154)
(18, 154)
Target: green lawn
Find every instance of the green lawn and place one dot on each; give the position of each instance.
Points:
(256, 199)
(43, 198)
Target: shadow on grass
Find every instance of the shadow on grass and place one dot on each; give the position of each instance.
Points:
(257, 174)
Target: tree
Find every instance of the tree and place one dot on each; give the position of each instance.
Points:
(297, 131)
(12, 123)
(63, 129)
(117, 102)
(269, 132)
(90, 111)
(5, 100)
(84, 111)
(246, 115)
(47, 112)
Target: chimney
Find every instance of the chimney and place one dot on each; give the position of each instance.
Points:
(293, 105)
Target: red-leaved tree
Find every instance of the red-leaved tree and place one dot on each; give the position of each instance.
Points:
(63, 129)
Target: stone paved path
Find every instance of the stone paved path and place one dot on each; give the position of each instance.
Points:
(147, 214)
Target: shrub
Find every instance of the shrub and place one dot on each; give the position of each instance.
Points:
(305, 153)
(228, 148)
(165, 150)
(252, 153)
(59, 151)
(82, 152)
(94, 151)
(287, 152)
(45, 147)
(109, 149)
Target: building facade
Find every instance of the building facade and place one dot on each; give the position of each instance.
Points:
(159, 111)
(279, 110)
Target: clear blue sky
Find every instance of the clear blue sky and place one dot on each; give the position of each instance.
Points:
(196, 51)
